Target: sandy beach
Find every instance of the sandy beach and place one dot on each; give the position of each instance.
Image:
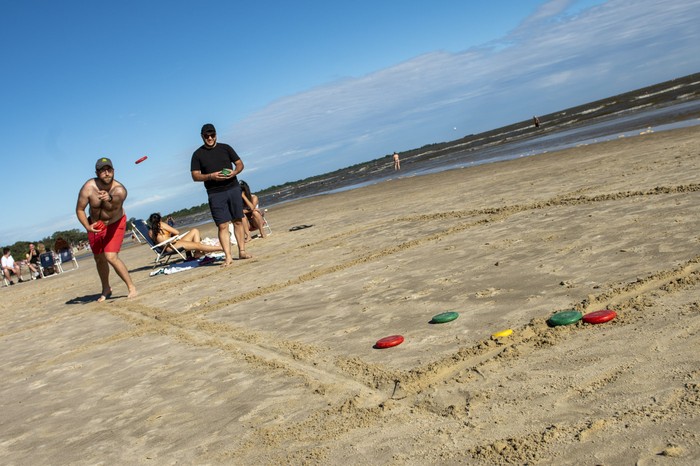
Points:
(271, 361)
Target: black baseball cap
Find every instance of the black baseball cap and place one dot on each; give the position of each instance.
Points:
(103, 162)
(208, 128)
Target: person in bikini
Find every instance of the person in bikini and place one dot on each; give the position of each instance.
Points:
(160, 231)
(106, 224)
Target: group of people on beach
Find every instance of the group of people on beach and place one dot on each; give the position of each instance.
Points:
(32, 261)
(215, 164)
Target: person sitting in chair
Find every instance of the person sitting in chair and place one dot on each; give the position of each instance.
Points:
(50, 270)
(33, 261)
(60, 245)
(9, 267)
(160, 231)
(253, 219)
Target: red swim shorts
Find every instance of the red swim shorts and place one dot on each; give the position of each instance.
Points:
(110, 239)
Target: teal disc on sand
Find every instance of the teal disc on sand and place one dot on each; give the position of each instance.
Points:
(565, 318)
(444, 317)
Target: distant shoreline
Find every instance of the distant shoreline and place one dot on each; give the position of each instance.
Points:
(662, 95)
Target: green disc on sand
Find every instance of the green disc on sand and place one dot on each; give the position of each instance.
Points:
(444, 317)
(565, 318)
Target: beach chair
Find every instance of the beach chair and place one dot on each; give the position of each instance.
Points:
(139, 236)
(66, 256)
(164, 251)
(266, 225)
(48, 261)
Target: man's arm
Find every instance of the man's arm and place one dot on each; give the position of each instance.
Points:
(83, 200)
(199, 176)
(114, 198)
(238, 167)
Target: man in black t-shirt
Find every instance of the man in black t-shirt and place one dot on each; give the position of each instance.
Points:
(217, 164)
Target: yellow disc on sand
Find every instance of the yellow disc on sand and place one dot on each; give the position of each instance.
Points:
(502, 333)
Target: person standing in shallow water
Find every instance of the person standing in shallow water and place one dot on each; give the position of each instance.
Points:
(397, 162)
(106, 224)
(217, 164)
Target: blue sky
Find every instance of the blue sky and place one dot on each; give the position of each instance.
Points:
(297, 88)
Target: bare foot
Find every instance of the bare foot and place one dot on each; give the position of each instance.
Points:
(133, 293)
(227, 263)
(104, 296)
(244, 255)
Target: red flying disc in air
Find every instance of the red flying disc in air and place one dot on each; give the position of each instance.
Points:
(142, 159)
(598, 317)
(388, 342)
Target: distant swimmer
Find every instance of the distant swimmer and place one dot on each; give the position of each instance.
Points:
(536, 121)
(397, 162)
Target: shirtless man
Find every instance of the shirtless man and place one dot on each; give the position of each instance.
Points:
(397, 162)
(106, 224)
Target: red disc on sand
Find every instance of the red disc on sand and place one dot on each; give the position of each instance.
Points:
(142, 159)
(388, 342)
(598, 317)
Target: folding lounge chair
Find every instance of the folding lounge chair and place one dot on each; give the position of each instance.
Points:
(65, 256)
(164, 250)
(47, 260)
(266, 225)
(139, 236)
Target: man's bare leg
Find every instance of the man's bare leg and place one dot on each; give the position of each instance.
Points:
(7, 275)
(239, 232)
(119, 267)
(225, 241)
(103, 271)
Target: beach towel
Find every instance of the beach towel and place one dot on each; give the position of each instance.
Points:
(182, 266)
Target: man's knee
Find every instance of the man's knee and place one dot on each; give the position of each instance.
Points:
(111, 257)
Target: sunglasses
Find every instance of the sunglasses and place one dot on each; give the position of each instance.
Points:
(209, 136)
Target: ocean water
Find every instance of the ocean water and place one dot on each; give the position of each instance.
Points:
(681, 115)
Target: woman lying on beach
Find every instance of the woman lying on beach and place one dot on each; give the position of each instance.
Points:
(160, 231)
(253, 219)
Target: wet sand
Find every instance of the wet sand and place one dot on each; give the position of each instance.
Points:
(271, 361)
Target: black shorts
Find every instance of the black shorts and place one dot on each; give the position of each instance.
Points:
(226, 206)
